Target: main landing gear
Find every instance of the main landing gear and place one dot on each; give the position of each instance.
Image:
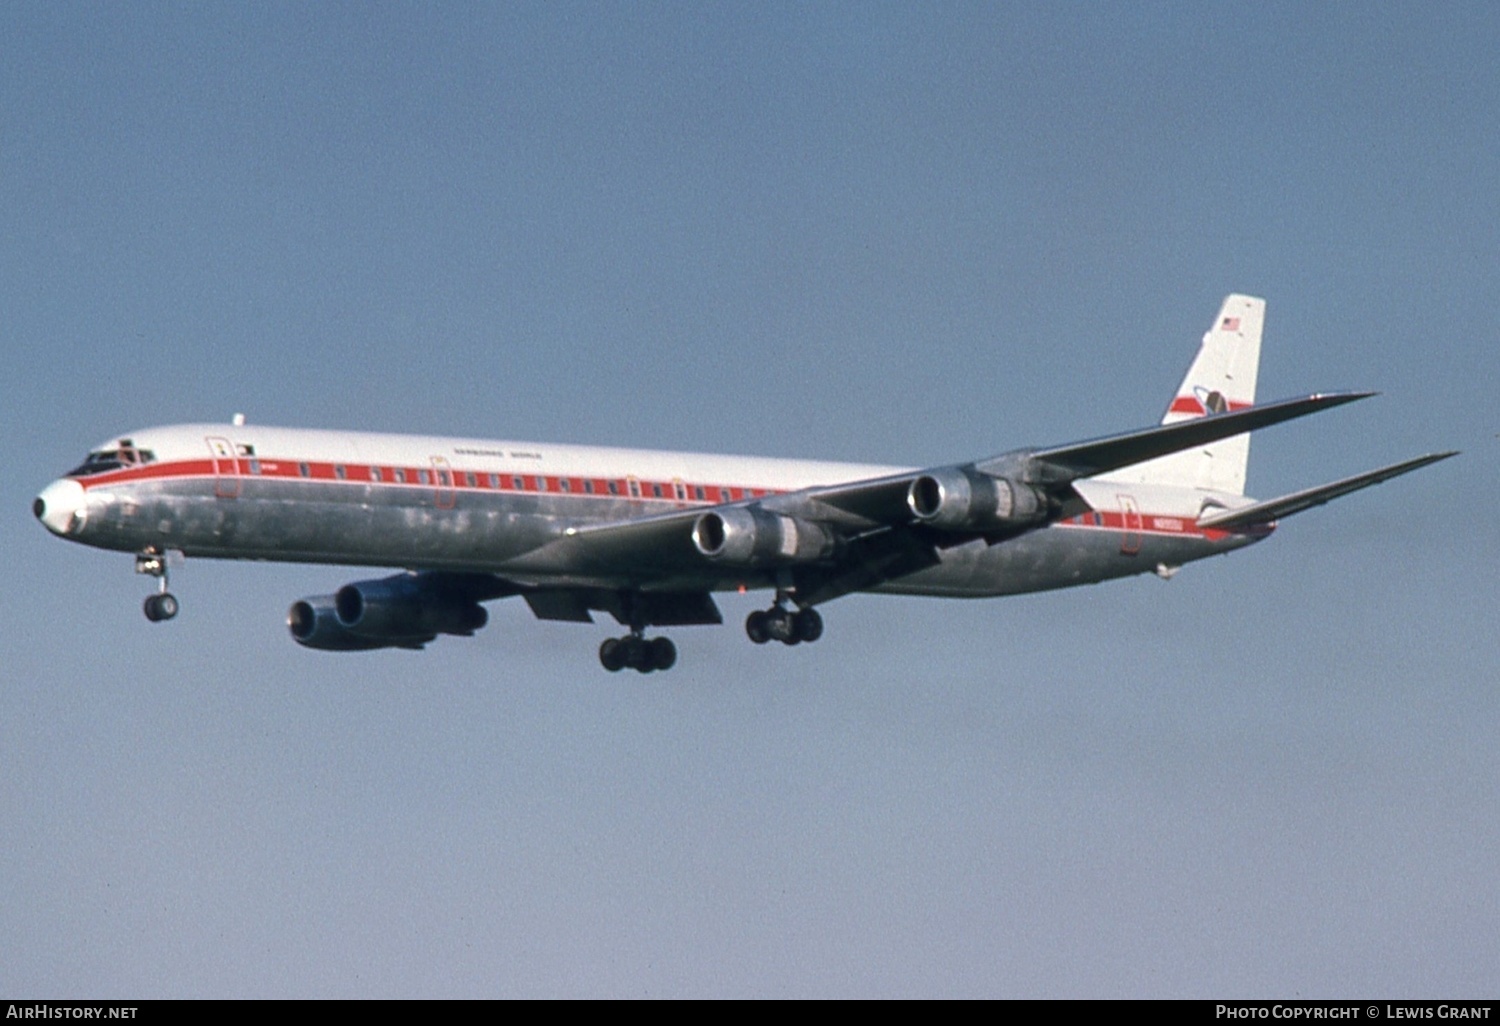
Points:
(638, 652)
(788, 626)
(162, 605)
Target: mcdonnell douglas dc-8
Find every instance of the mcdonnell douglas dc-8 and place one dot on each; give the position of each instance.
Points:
(648, 537)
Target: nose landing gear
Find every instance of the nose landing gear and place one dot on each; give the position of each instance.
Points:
(163, 605)
(160, 607)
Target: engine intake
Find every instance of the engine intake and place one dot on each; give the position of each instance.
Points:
(750, 536)
(953, 499)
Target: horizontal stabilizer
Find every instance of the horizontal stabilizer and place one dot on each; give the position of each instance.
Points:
(1275, 509)
(1085, 459)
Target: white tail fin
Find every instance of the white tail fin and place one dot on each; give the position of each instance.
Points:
(1221, 378)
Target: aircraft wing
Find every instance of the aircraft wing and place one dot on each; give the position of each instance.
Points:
(1100, 455)
(1296, 502)
(657, 546)
(883, 500)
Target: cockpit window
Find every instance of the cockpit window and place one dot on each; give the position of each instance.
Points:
(127, 455)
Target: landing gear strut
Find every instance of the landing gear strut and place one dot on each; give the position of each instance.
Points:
(638, 652)
(162, 605)
(790, 627)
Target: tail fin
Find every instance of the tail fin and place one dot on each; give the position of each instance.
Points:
(1221, 378)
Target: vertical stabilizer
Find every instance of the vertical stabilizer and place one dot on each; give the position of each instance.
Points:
(1221, 378)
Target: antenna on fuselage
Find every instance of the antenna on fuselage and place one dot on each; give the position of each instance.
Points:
(238, 420)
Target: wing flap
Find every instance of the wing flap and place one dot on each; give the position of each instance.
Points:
(646, 608)
(1296, 502)
(563, 605)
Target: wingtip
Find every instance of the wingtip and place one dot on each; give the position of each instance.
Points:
(1427, 460)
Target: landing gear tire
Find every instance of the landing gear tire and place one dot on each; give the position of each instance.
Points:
(784, 625)
(643, 655)
(160, 607)
(612, 655)
(663, 653)
(757, 628)
(808, 625)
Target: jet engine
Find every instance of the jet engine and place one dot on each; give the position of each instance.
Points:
(750, 536)
(314, 624)
(954, 499)
(403, 611)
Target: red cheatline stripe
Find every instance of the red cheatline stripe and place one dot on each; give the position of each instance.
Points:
(1148, 523)
(1190, 404)
(280, 469)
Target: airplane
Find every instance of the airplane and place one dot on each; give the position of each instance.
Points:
(648, 537)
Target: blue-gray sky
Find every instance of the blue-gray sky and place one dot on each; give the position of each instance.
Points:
(907, 234)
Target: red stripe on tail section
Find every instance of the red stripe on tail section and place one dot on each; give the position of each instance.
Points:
(1190, 405)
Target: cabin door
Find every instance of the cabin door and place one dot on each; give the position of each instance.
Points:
(226, 468)
(1130, 514)
(446, 496)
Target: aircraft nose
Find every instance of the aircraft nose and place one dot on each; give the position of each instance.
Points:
(61, 507)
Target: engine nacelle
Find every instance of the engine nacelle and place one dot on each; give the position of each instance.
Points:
(404, 611)
(754, 537)
(403, 606)
(314, 624)
(960, 500)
